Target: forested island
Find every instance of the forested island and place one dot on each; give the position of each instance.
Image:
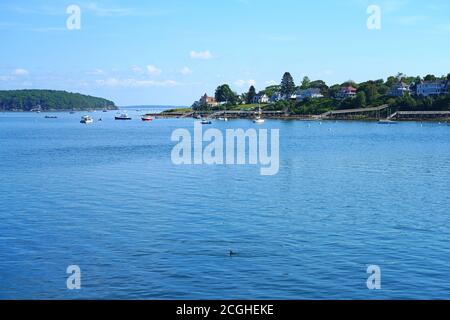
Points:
(51, 100)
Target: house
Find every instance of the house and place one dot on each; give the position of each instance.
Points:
(346, 92)
(429, 88)
(260, 98)
(399, 90)
(208, 101)
(276, 97)
(311, 93)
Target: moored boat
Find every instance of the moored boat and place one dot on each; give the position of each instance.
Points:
(86, 120)
(123, 116)
(386, 121)
(147, 118)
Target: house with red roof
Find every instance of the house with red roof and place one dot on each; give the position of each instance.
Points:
(346, 92)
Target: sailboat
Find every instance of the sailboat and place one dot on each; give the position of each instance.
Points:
(224, 118)
(259, 119)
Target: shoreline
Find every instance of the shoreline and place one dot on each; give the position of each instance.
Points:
(299, 117)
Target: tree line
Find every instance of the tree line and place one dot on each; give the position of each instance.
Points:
(369, 93)
(50, 100)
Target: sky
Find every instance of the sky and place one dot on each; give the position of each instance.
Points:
(170, 52)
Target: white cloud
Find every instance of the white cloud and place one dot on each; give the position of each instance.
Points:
(20, 72)
(204, 55)
(186, 71)
(152, 70)
(271, 83)
(130, 82)
(242, 83)
(96, 72)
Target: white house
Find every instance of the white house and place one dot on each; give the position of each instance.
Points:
(429, 88)
(312, 93)
(261, 98)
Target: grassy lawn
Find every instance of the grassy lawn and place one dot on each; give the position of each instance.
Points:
(248, 107)
(181, 110)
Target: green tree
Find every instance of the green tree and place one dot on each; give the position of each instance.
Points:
(271, 90)
(306, 83)
(225, 94)
(448, 77)
(287, 85)
(430, 77)
(251, 94)
(360, 100)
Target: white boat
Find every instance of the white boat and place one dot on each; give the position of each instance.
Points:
(86, 120)
(123, 116)
(147, 118)
(386, 121)
(206, 121)
(259, 119)
(222, 119)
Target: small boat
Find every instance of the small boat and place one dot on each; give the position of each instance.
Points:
(259, 119)
(72, 112)
(86, 120)
(123, 116)
(222, 119)
(51, 117)
(147, 118)
(100, 119)
(386, 121)
(206, 121)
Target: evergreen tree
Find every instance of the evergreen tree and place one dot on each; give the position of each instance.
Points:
(251, 94)
(287, 85)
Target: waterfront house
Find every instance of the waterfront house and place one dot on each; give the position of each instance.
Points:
(399, 90)
(205, 100)
(276, 97)
(260, 98)
(346, 92)
(311, 93)
(430, 88)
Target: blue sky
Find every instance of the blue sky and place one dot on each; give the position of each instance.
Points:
(170, 52)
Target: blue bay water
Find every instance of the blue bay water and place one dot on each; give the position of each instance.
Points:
(106, 197)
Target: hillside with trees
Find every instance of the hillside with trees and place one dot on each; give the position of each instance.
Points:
(368, 94)
(50, 100)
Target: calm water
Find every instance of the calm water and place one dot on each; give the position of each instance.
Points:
(106, 197)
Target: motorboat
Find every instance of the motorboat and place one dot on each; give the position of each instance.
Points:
(206, 121)
(386, 121)
(147, 118)
(51, 117)
(86, 120)
(123, 116)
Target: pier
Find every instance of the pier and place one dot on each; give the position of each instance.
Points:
(373, 112)
(420, 115)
